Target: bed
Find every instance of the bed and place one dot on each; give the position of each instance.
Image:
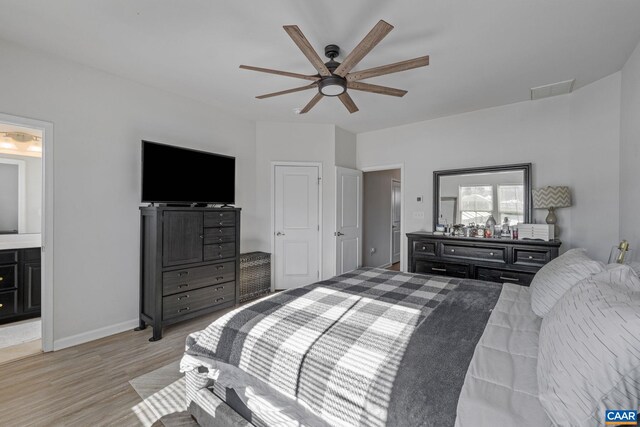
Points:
(371, 347)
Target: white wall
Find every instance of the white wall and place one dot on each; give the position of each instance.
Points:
(571, 140)
(376, 221)
(345, 148)
(99, 120)
(630, 151)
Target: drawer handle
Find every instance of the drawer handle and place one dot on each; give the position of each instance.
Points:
(509, 278)
(221, 215)
(219, 246)
(424, 248)
(184, 309)
(184, 285)
(219, 288)
(219, 299)
(219, 267)
(490, 253)
(221, 231)
(202, 236)
(453, 250)
(183, 297)
(219, 277)
(530, 256)
(439, 269)
(183, 273)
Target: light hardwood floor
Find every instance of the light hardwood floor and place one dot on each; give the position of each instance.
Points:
(88, 385)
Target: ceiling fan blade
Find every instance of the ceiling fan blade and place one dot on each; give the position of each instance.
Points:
(379, 31)
(348, 102)
(382, 90)
(312, 103)
(409, 64)
(301, 41)
(284, 92)
(280, 73)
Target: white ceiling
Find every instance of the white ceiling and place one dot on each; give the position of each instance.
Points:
(483, 53)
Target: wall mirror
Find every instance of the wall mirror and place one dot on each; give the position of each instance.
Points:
(465, 196)
(20, 180)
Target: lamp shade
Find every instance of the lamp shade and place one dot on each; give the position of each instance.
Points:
(551, 197)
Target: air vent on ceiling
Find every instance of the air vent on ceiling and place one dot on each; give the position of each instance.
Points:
(560, 88)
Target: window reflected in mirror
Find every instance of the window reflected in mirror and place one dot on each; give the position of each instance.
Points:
(472, 198)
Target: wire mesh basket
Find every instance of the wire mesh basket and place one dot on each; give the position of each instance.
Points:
(255, 275)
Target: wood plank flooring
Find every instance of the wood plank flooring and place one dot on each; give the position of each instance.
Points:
(88, 385)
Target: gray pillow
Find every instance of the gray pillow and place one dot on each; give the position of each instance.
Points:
(589, 350)
(558, 276)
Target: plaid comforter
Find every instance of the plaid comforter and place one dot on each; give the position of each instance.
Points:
(335, 347)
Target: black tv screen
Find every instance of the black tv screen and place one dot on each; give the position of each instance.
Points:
(179, 175)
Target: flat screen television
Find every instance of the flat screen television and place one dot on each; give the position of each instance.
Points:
(184, 176)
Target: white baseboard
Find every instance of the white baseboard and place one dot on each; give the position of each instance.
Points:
(95, 334)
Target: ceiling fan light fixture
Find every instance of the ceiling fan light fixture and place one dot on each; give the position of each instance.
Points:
(332, 85)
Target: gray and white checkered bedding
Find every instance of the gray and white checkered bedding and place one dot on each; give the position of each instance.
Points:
(344, 347)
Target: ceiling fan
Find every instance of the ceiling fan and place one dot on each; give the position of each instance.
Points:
(334, 78)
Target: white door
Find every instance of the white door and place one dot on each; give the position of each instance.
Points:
(348, 220)
(395, 221)
(296, 226)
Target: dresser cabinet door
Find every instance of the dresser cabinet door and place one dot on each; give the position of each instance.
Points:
(182, 237)
(32, 287)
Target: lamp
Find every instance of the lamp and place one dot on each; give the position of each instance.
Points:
(332, 85)
(552, 198)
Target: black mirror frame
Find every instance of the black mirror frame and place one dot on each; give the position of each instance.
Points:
(524, 167)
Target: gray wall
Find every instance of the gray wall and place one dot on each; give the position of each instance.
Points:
(377, 217)
(630, 151)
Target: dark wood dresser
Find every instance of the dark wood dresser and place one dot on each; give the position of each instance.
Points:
(494, 260)
(189, 263)
(20, 284)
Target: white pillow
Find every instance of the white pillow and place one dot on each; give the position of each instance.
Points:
(558, 276)
(589, 350)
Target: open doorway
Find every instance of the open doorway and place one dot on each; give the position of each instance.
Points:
(382, 218)
(21, 230)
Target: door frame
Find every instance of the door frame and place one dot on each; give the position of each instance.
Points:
(46, 232)
(272, 211)
(403, 237)
(393, 180)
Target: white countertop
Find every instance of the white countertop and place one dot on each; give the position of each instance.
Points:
(20, 241)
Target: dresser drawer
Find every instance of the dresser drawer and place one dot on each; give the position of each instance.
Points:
(504, 276)
(8, 277)
(487, 253)
(220, 219)
(530, 256)
(219, 235)
(8, 304)
(219, 251)
(197, 277)
(442, 268)
(8, 257)
(424, 248)
(186, 302)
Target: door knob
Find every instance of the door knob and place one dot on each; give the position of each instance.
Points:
(279, 234)
(339, 234)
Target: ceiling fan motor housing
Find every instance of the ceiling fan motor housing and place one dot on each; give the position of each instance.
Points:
(331, 51)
